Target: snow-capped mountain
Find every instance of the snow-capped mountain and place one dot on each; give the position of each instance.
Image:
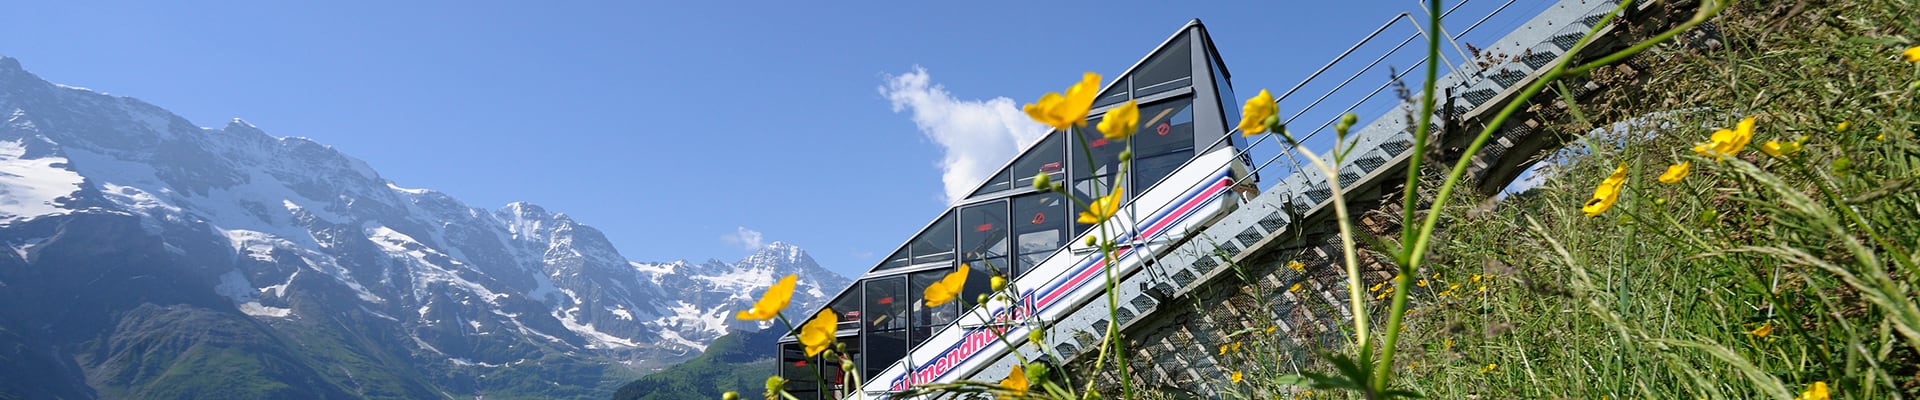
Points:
(143, 246)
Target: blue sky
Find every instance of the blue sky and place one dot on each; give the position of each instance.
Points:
(682, 129)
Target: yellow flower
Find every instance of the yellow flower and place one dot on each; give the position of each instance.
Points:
(1376, 287)
(1297, 266)
(1489, 368)
(1253, 117)
(817, 334)
(1295, 288)
(1912, 54)
(947, 288)
(1102, 208)
(1779, 149)
(1727, 142)
(1448, 346)
(1476, 278)
(1016, 380)
(771, 302)
(1382, 295)
(1236, 377)
(1236, 346)
(1842, 127)
(1421, 283)
(1676, 172)
(1819, 389)
(1121, 122)
(1223, 349)
(1271, 328)
(1607, 193)
(1061, 111)
(1762, 331)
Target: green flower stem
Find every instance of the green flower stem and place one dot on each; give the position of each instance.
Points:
(1352, 260)
(1404, 279)
(1410, 196)
(1112, 343)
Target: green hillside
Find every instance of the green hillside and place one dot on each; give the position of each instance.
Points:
(740, 361)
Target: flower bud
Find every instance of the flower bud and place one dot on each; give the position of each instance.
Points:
(1036, 335)
(1042, 181)
(981, 299)
(1038, 372)
(841, 346)
(1345, 124)
(998, 283)
(730, 396)
(1092, 241)
(846, 364)
(776, 383)
(1843, 165)
(1660, 201)
(1126, 155)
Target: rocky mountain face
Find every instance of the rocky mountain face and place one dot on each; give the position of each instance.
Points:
(146, 257)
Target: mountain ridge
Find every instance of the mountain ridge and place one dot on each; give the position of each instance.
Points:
(340, 270)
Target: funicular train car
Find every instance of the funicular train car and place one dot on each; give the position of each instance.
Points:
(1187, 162)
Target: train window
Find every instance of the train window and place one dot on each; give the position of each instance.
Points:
(1091, 181)
(983, 236)
(1048, 157)
(936, 243)
(1039, 228)
(1149, 171)
(1228, 103)
(886, 304)
(1106, 153)
(1090, 189)
(995, 185)
(838, 386)
(848, 306)
(799, 370)
(1115, 95)
(1170, 69)
(1165, 127)
(926, 319)
(886, 321)
(978, 281)
(896, 260)
(883, 349)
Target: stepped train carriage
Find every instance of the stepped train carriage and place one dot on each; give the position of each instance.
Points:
(1186, 171)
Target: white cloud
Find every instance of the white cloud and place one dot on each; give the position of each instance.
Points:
(977, 136)
(743, 237)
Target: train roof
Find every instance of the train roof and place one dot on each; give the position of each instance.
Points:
(1190, 43)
